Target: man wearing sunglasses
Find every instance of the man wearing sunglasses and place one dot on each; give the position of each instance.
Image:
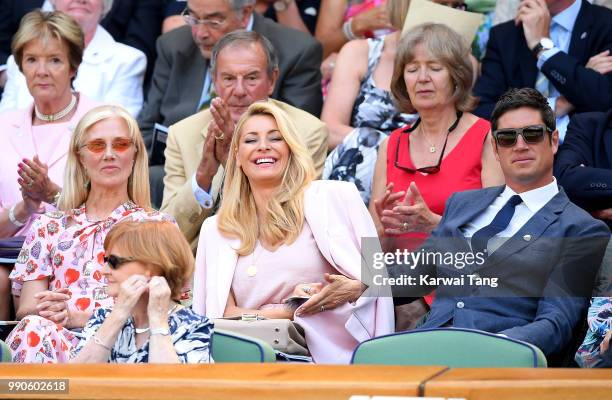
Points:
(543, 249)
(560, 47)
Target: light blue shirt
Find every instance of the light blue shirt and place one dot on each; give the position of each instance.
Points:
(202, 196)
(561, 28)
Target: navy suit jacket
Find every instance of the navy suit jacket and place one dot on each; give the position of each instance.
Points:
(542, 270)
(583, 165)
(508, 63)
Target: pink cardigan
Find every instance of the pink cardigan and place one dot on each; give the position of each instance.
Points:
(16, 142)
(338, 220)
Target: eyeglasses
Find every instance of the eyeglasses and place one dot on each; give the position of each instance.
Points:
(115, 261)
(118, 145)
(531, 134)
(216, 23)
(434, 169)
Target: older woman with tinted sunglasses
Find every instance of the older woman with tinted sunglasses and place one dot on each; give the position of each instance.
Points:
(58, 279)
(148, 264)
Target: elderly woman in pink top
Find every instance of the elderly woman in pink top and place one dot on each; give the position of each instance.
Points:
(48, 48)
(280, 234)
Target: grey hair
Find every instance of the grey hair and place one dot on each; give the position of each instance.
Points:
(243, 37)
(240, 4)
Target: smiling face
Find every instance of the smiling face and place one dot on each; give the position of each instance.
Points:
(223, 18)
(262, 152)
(427, 80)
(47, 70)
(87, 13)
(112, 167)
(526, 166)
(241, 77)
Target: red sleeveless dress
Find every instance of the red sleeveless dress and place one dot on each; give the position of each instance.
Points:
(460, 170)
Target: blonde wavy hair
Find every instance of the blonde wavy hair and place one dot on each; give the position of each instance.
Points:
(284, 214)
(76, 184)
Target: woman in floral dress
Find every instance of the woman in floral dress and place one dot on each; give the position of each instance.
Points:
(57, 281)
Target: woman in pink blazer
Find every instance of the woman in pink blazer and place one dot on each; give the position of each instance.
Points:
(279, 234)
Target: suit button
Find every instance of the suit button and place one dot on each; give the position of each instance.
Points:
(460, 304)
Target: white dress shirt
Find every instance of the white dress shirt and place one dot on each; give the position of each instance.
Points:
(561, 28)
(533, 201)
(111, 73)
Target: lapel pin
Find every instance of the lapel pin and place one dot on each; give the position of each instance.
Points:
(527, 238)
(583, 36)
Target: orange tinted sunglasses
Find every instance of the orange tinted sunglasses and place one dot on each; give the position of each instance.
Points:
(118, 145)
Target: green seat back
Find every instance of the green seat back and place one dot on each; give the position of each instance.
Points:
(456, 348)
(5, 352)
(233, 347)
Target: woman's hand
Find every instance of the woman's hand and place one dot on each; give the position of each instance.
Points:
(372, 19)
(129, 293)
(35, 182)
(388, 201)
(338, 291)
(52, 305)
(327, 66)
(605, 343)
(413, 215)
(159, 301)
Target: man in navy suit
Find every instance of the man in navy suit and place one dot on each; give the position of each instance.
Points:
(544, 250)
(564, 57)
(583, 165)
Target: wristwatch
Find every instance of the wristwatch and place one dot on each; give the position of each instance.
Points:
(543, 44)
(281, 5)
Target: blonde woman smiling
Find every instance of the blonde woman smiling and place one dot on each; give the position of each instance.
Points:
(278, 234)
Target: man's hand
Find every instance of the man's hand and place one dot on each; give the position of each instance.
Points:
(601, 62)
(535, 17)
(208, 163)
(563, 107)
(603, 214)
(222, 128)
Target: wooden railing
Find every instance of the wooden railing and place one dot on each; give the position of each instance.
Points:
(297, 382)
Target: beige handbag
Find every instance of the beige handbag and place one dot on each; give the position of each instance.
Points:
(282, 334)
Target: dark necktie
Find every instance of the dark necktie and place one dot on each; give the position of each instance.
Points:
(499, 223)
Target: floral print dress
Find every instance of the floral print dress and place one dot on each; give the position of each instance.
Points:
(189, 331)
(68, 250)
(374, 117)
(599, 319)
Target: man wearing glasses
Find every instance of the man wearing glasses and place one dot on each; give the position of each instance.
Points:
(544, 250)
(182, 82)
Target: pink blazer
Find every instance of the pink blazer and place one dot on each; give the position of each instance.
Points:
(17, 142)
(338, 220)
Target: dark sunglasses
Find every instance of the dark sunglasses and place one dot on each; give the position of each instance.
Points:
(531, 134)
(434, 169)
(115, 261)
(119, 145)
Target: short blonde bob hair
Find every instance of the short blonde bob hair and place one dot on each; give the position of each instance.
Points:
(284, 215)
(445, 45)
(50, 25)
(76, 183)
(159, 244)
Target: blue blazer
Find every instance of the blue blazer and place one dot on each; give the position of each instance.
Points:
(583, 164)
(508, 63)
(542, 270)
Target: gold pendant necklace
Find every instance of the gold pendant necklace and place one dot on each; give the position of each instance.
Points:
(252, 269)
